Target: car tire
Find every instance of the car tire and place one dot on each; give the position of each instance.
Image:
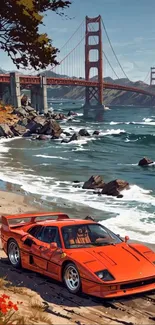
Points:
(71, 278)
(13, 253)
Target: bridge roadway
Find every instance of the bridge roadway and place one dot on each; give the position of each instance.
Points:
(35, 80)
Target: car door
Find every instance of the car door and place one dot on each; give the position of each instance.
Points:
(30, 245)
(44, 257)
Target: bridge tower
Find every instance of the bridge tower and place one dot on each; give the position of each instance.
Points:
(93, 95)
(152, 76)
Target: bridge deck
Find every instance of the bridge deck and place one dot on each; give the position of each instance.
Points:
(35, 80)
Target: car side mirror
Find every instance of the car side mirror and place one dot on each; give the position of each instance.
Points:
(53, 245)
(126, 239)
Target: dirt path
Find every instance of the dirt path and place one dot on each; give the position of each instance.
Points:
(65, 308)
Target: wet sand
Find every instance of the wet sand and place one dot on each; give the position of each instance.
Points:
(63, 307)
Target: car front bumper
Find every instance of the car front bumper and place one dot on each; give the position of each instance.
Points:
(113, 290)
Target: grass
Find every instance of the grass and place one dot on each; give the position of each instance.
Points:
(32, 310)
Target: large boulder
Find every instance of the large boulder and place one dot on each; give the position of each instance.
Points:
(94, 182)
(75, 137)
(23, 121)
(5, 131)
(52, 128)
(18, 130)
(145, 162)
(29, 108)
(36, 124)
(115, 187)
(84, 133)
(20, 112)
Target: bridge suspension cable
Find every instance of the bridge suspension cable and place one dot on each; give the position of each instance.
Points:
(146, 77)
(113, 50)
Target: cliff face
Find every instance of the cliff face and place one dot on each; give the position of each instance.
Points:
(111, 97)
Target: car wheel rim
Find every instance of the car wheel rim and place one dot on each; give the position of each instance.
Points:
(72, 278)
(14, 254)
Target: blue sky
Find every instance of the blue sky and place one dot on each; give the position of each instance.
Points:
(131, 28)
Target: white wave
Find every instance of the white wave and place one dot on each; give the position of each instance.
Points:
(3, 147)
(147, 119)
(111, 132)
(127, 220)
(79, 114)
(51, 157)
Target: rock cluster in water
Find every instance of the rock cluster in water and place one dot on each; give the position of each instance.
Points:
(113, 188)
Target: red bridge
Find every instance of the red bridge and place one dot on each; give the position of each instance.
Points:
(94, 83)
(35, 80)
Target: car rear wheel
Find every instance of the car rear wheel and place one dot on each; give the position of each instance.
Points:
(71, 278)
(14, 253)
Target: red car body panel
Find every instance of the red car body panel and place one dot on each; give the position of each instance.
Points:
(131, 265)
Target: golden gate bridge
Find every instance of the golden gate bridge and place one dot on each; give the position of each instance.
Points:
(86, 42)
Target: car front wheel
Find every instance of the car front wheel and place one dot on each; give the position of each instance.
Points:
(14, 253)
(71, 278)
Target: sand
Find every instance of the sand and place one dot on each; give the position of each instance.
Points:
(64, 308)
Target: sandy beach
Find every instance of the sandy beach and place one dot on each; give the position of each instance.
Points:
(63, 307)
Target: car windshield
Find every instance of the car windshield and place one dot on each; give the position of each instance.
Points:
(88, 235)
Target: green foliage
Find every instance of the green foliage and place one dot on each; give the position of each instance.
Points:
(19, 32)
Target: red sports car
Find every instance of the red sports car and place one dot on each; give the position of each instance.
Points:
(82, 253)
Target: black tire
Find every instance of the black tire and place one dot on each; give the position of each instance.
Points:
(13, 252)
(71, 278)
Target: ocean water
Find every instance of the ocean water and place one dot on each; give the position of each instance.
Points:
(49, 168)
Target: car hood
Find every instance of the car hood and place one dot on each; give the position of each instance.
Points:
(123, 261)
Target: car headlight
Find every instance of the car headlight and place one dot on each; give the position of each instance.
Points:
(105, 275)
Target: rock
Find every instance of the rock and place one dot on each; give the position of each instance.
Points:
(32, 114)
(5, 131)
(23, 121)
(70, 113)
(94, 182)
(20, 112)
(145, 161)
(84, 133)
(18, 129)
(96, 132)
(51, 128)
(42, 137)
(115, 187)
(64, 141)
(29, 108)
(76, 181)
(75, 137)
(36, 124)
(67, 133)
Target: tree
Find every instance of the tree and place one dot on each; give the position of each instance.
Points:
(19, 32)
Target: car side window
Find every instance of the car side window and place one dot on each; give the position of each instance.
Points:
(49, 234)
(35, 230)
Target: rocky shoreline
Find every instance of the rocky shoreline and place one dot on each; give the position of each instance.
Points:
(25, 122)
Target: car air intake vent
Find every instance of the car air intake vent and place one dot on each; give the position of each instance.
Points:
(137, 284)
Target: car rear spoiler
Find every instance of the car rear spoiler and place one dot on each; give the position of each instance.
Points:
(56, 215)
